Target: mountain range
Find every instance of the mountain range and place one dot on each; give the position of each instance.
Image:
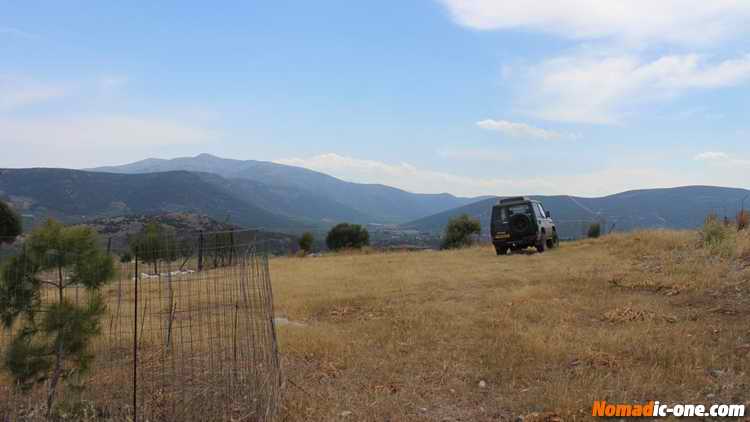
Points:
(291, 199)
(677, 208)
(288, 189)
(75, 195)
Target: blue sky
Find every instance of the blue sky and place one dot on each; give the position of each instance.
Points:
(470, 97)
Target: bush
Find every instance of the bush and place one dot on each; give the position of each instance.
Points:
(718, 238)
(347, 235)
(306, 242)
(10, 224)
(595, 230)
(743, 220)
(743, 247)
(51, 342)
(713, 231)
(126, 258)
(460, 231)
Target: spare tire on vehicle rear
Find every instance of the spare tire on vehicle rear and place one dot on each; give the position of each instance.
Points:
(519, 223)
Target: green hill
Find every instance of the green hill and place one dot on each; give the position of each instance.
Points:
(73, 195)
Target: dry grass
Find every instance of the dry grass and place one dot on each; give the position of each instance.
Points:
(411, 336)
(218, 344)
(465, 335)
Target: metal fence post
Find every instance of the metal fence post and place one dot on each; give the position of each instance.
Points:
(200, 251)
(231, 247)
(135, 342)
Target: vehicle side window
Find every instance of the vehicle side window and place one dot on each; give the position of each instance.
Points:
(535, 206)
(542, 213)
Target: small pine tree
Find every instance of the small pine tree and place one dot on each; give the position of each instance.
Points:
(306, 242)
(152, 245)
(10, 224)
(460, 231)
(595, 230)
(52, 342)
(347, 235)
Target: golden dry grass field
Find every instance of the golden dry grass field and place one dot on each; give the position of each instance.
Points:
(469, 336)
(465, 335)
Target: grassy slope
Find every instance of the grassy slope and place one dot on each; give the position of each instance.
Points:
(409, 336)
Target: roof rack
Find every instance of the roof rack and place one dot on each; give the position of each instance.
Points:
(514, 199)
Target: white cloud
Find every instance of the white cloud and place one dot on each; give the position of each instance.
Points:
(492, 155)
(619, 80)
(722, 159)
(414, 179)
(521, 130)
(17, 93)
(404, 175)
(603, 89)
(627, 21)
(711, 156)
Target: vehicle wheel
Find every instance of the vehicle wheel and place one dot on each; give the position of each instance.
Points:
(542, 245)
(501, 251)
(554, 242)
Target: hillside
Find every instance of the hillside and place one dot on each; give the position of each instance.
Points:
(374, 202)
(293, 202)
(115, 231)
(676, 208)
(73, 196)
(464, 335)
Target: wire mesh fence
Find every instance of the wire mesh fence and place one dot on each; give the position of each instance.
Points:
(185, 333)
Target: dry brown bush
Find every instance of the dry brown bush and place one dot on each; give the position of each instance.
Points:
(743, 220)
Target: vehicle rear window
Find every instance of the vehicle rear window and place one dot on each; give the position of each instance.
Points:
(505, 213)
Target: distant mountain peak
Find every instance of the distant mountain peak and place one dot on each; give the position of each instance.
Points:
(380, 202)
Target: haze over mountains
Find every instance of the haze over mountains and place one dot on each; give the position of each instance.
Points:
(356, 201)
(286, 198)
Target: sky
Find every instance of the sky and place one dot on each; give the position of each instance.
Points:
(470, 97)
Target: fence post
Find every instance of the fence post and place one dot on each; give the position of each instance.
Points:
(109, 246)
(135, 342)
(200, 251)
(231, 247)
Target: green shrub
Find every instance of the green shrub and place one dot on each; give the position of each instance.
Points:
(52, 341)
(10, 224)
(718, 238)
(156, 242)
(306, 242)
(126, 257)
(460, 231)
(345, 236)
(595, 230)
(713, 231)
